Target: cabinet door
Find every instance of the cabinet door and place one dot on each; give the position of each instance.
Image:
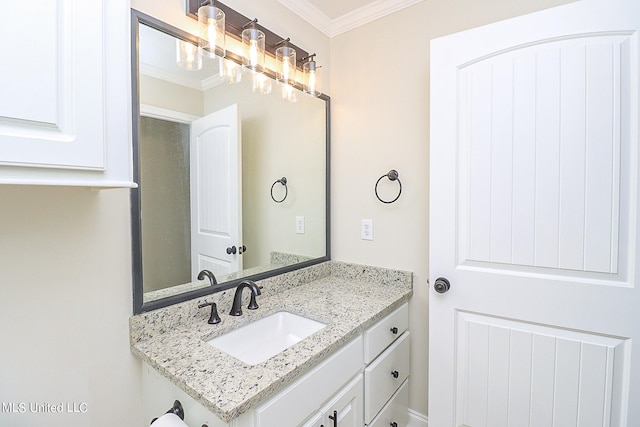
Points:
(52, 108)
(64, 93)
(347, 406)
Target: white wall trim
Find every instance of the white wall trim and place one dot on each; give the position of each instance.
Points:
(416, 419)
(348, 21)
(164, 114)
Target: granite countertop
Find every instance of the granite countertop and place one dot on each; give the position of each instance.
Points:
(347, 297)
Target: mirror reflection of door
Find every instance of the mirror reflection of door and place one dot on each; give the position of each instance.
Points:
(216, 200)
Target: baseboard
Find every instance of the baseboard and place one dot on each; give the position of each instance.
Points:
(416, 419)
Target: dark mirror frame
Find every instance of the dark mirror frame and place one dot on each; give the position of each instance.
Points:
(139, 306)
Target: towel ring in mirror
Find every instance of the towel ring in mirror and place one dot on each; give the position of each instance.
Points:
(393, 176)
(282, 181)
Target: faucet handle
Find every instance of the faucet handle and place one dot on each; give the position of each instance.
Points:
(214, 319)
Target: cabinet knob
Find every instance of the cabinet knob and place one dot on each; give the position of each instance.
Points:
(394, 330)
(393, 424)
(395, 374)
(231, 250)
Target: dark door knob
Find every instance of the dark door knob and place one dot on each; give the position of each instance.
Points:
(441, 285)
(231, 250)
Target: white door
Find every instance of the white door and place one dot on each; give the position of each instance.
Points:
(534, 221)
(216, 185)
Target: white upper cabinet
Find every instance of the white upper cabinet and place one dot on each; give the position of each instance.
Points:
(65, 101)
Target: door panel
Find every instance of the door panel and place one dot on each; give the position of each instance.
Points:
(541, 126)
(534, 220)
(517, 374)
(216, 203)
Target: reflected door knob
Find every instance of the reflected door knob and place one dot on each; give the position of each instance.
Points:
(441, 285)
(231, 250)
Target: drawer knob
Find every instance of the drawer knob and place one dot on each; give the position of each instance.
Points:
(394, 330)
(395, 374)
(393, 424)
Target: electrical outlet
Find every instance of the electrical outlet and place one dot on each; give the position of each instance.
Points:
(366, 232)
(299, 225)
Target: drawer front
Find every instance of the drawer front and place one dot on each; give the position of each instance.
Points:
(379, 336)
(297, 402)
(385, 375)
(396, 410)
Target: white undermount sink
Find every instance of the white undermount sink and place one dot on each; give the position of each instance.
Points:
(264, 338)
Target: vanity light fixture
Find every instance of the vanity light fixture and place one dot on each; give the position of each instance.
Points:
(262, 83)
(286, 63)
(289, 93)
(253, 47)
(188, 55)
(211, 25)
(256, 41)
(230, 71)
(310, 69)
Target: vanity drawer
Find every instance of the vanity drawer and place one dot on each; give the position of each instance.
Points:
(396, 410)
(307, 394)
(379, 336)
(380, 380)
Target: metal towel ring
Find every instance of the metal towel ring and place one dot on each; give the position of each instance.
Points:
(393, 176)
(282, 181)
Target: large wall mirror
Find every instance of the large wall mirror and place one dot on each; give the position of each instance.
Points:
(210, 157)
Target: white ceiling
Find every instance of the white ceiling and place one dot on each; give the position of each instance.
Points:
(334, 17)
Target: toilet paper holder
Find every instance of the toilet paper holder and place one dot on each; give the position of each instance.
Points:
(177, 410)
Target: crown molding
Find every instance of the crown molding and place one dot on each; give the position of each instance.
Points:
(348, 21)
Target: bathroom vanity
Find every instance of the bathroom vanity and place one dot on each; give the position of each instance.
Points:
(354, 369)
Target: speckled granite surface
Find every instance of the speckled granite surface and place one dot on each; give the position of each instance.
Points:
(347, 297)
(278, 260)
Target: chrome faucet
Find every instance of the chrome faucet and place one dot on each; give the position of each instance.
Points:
(207, 273)
(236, 309)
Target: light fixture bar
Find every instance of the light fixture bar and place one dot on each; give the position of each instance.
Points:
(234, 23)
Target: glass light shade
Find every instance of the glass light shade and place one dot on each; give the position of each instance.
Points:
(311, 78)
(230, 72)
(289, 93)
(262, 83)
(286, 60)
(188, 56)
(253, 55)
(211, 24)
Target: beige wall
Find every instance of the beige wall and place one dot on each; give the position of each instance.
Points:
(65, 274)
(380, 98)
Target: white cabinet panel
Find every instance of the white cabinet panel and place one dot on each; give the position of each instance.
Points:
(384, 332)
(65, 104)
(306, 395)
(395, 411)
(385, 375)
